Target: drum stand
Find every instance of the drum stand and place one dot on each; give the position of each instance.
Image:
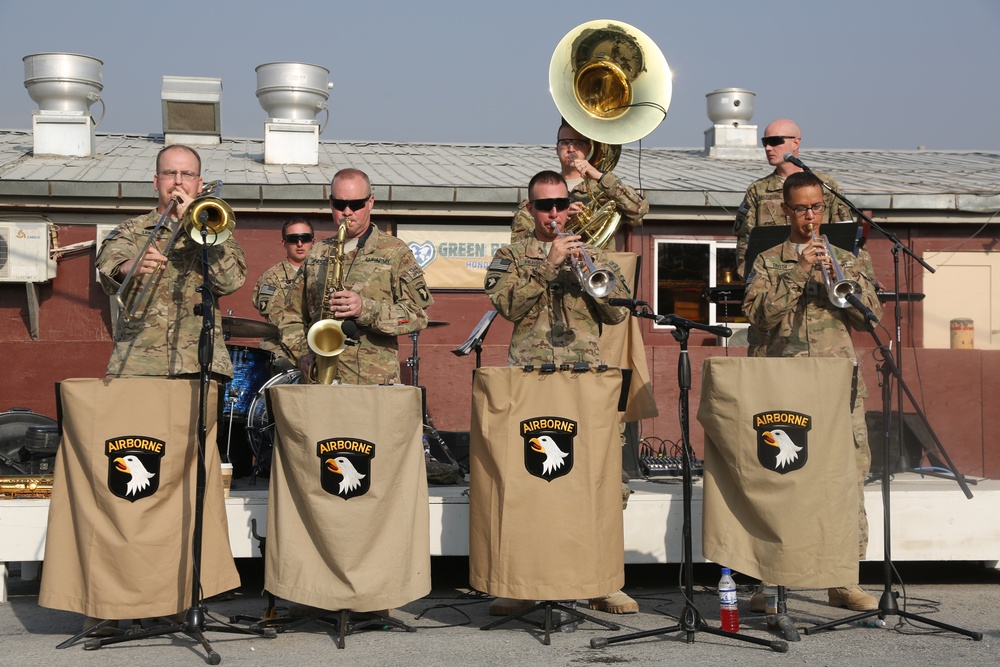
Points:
(193, 624)
(690, 621)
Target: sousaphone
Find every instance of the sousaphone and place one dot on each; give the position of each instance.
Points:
(612, 84)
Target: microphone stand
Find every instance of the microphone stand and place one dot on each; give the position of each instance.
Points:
(888, 605)
(193, 624)
(690, 620)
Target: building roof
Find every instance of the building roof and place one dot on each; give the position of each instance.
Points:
(495, 174)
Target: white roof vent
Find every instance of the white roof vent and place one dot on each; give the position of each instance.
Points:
(731, 137)
(292, 94)
(192, 110)
(64, 85)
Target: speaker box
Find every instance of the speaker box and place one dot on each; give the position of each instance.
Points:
(916, 441)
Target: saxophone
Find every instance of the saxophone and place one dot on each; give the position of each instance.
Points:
(326, 337)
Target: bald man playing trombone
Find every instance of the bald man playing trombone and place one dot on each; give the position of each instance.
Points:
(161, 339)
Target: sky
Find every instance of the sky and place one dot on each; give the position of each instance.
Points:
(860, 74)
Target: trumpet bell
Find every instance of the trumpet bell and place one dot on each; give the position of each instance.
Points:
(600, 283)
(839, 291)
(610, 82)
(213, 215)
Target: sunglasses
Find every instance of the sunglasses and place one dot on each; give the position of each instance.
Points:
(558, 203)
(354, 204)
(298, 238)
(775, 140)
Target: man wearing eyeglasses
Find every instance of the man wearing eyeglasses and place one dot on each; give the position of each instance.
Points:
(584, 182)
(786, 298)
(297, 239)
(532, 283)
(385, 294)
(163, 340)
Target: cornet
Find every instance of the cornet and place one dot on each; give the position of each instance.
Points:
(598, 283)
(206, 214)
(837, 287)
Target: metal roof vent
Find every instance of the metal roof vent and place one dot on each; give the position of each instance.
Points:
(192, 112)
(730, 137)
(292, 94)
(64, 85)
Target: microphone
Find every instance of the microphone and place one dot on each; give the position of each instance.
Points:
(350, 330)
(788, 157)
(862, 308)
(629, 303)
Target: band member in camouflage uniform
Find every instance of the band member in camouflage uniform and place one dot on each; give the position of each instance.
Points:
(163, 339)
(385, 292)
(555, 321)
(585, 182)
(786, 298)
(297, 238)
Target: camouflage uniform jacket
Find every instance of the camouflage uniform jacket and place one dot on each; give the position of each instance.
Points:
(278, 278)
(394, 294)
(632, 205)
(163, 340)
(555, 321)
(791, 305)
(762, 207)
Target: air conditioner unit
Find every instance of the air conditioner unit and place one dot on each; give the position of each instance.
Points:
(24, 253)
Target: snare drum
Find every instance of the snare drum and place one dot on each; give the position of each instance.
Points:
(260, 426)
(251, 369)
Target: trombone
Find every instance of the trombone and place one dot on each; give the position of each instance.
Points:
(208, 220)
(838, 287)
(598, 283)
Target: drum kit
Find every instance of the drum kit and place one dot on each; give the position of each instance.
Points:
(245, 407)
(245, 404)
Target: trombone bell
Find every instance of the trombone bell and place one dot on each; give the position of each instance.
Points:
(212, 214)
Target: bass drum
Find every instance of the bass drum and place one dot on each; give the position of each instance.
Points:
(260, 426)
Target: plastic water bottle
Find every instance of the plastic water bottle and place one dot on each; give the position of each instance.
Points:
(729, 612)
(570, 625)
(771, 601)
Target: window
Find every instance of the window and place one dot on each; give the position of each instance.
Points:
(685, 269)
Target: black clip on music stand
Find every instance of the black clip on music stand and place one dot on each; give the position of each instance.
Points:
(194, 623)
(690, 620)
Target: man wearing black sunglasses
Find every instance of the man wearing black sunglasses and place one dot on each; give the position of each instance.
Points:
(297, 239)
(762, 203)
(533, 284)
(584, 182)
(384, 296)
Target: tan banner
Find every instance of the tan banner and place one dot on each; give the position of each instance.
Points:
(545, 517)
(121, 518)
(622, 346)
(348, 523)
(781, 490)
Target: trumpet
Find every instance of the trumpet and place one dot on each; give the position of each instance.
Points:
(838, 288)
(208, 220)
(598, 283)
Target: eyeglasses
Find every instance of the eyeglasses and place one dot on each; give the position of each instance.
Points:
(171, 175)
(575, 143)
(800, 211)
(775, 140)
(558, 203)
(298, 238)
(354, 204)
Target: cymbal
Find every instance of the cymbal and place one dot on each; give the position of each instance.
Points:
(436, 323)
(243, 328)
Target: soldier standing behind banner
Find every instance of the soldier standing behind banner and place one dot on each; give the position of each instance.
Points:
(555, 320)
(384, 293)
(761, 205)
(297, 239)
(584, 182)
(164, 340)
(787, 300)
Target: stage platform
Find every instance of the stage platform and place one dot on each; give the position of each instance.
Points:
(932, 520)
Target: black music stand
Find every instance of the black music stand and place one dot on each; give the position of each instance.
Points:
(476, 338)
(690, 620)
(841, 234)
(413, 362)
(193, 624)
